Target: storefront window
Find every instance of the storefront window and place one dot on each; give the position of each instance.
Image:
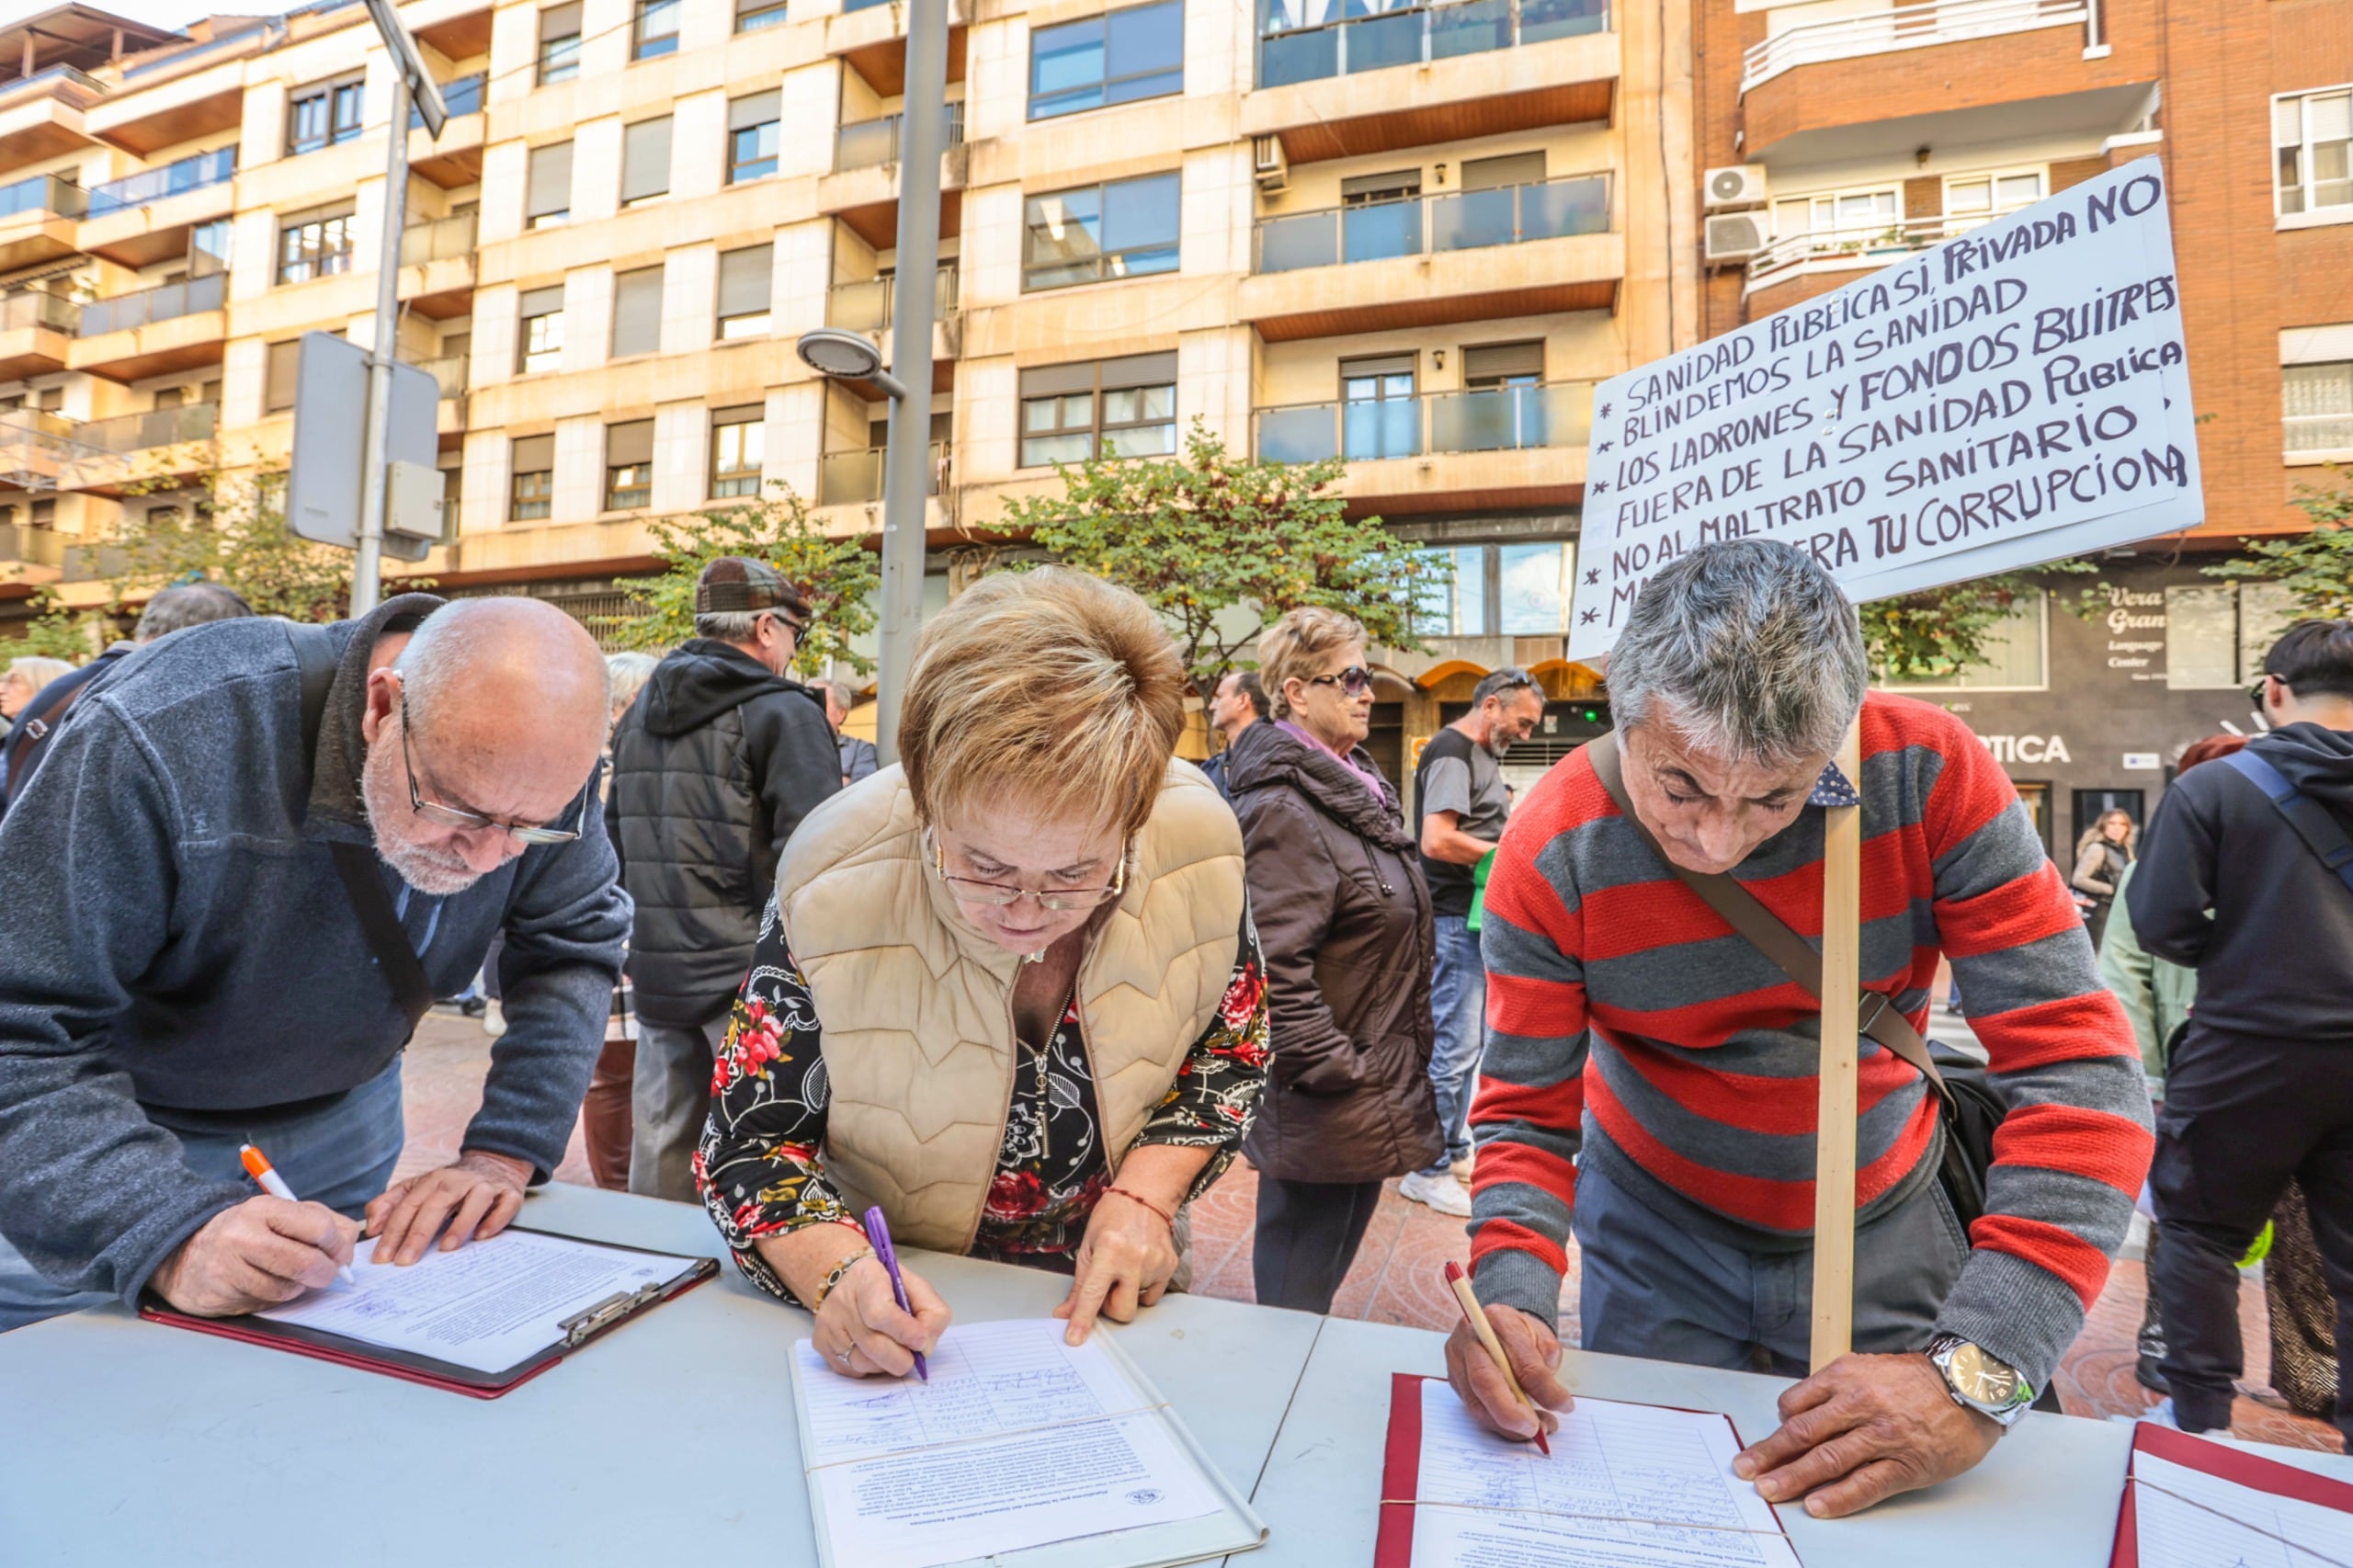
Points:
(2016, 655)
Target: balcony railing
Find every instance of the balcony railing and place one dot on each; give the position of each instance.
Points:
(448, 373)
(143, 432)
(848, 478)
(439, 240)
(460, 97)
(40, 82)
(1860, 247)
(869, 143)
(43, 193)
(1512, 214)
(173, 179)
(31, 546)
(1502, 419)
(152, 306)
(1903, 27)
(864, 305)
(1291, 48)
(19, 312)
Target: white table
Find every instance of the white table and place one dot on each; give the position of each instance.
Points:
(669, 1441)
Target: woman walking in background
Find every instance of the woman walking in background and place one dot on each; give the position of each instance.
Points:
(1345, 919)
(2101, 856)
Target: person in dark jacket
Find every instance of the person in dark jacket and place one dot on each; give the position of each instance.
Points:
(187, 969)
(859, 759)
(715, 765)
(2261, 1089)
(1239, 702)
(1343, 918)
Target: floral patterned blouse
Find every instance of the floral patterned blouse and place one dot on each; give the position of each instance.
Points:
(760, 1166)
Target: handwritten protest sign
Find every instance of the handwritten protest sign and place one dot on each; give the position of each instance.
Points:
(2018, 394)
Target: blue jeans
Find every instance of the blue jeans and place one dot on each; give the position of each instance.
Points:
(1459, 1009)
(340, 1154)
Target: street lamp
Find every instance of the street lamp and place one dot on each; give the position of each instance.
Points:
(841, 355)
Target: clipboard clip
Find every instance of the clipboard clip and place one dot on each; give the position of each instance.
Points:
(584, 1325)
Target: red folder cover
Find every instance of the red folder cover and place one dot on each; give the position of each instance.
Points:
(2230, 1464)
(410, 1367)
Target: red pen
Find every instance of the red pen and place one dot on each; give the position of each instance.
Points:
(1459, 1283)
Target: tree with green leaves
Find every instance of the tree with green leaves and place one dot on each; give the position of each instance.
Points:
(1942, 631)
(2317, 567)
(236, 535)
(838, 575)
(1222, 545)
(57, 632)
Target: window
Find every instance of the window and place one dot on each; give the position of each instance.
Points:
(1494, 173)
(645, 161)
(2216, 635)
(2017, 654)
(1456, 608)
(745, 281)
(323, 114)
(2311, 134)
(1495, 366)
(278, 376)
(1535, 581)
(752, 136)
(531, 492)
(1117, 58)
(559, 45)
(208, 248)
(751, 15)
(2317, 403)
(637, 312)
(1857, 212)
(1973, 200)
(628, 465)
(736, 442)
(654, 32)
(550, 186)
(1126, 229)
(315, 245)
(540, 344)
(1114, 408)
(1380, 416)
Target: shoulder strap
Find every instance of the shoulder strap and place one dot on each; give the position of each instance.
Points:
(314, 651)
(1765, 931)
(2311, 820)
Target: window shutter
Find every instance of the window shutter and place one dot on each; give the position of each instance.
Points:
(560, 21)
(550, 179)
(742, 413)
(1047, 380)
(758, 109)
(1513, 168)
(1504, 360)
(1382, 188)
(645, 159)
(542, 302)
(630, 443)
(1380, 365)
(534, 454)
(278, 381)
(1140, 370)
(637, 312)
(745, 280)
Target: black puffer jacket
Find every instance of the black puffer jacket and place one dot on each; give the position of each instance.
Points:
(1343, 918)
(713, 767)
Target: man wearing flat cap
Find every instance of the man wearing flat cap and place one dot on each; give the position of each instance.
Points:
(713, 767)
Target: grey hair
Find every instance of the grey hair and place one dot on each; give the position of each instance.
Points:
(189, 604)
(1747, 650)
(837, 691)
(629, 672)
(1511, 677)
(730, 625)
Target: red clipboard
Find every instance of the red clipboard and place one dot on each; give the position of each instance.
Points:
(2229, 1464)
(592, 1324)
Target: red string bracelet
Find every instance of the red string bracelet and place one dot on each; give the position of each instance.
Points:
(1166, 1218)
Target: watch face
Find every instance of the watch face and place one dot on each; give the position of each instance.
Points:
(1980, 1378)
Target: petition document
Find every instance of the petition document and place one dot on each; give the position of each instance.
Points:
(1627, 1486)
(2187, 1519)
(486, 1306)
(1018, 1440)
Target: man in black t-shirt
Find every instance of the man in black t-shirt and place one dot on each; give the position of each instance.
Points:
(1459, 805)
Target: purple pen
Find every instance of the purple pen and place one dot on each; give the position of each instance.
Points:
(878, 1235)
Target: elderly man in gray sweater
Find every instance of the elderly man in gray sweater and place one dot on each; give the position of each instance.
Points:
(185, 961)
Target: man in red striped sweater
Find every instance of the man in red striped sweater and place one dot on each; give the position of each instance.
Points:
(1649, 1078)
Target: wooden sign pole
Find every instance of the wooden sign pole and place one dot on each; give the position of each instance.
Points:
(1833, 1165)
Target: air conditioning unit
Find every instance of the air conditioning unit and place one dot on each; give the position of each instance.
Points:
(1734, 237)
(1269, 163)
(1736, 185)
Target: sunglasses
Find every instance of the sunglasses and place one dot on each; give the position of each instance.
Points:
(1354, 680)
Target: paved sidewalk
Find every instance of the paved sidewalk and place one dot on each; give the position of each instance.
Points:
(1397, 1272)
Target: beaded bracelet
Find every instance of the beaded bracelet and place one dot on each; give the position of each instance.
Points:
(1166, 1218)
(841, 1268)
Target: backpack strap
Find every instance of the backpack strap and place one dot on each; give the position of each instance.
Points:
(2311, 820)
(1767, 932)
(315, 652)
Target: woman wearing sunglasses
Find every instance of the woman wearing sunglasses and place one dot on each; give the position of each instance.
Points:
(1345, 918)
(1006, 990)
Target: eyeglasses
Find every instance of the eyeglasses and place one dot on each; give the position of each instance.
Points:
(2259, 690)
(1352, 680)
(997, 895)
(458, 816)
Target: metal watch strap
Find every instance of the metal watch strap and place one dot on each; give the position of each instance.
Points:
(2006, 1416)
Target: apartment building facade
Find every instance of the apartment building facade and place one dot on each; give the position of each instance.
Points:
(1836, 136)
(1412, 237)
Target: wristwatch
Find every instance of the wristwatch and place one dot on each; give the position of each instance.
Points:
(1977, 1381)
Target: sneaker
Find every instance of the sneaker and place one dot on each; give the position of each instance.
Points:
(2160, 1415)
(493, 1019)
(1443, 1193)
(1461, 1169)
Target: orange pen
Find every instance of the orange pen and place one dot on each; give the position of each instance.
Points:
(257, 1166)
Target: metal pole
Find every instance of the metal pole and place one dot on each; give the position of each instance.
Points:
(923, 137)
(367, 569)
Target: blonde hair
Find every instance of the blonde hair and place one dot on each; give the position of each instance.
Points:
(2098, 832)
(1296, 647)
(1047, 688)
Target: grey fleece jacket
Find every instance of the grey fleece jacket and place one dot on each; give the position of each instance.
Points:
(177, 948)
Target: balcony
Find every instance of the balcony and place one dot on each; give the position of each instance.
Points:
(1499, 447)
(36, 448)
(177, 179)
(36, 330)
(872, 143)
(1428, 261)
(456, 158)
(145, 218)
(872, 40)
(854, 478)
(438, 267)
(864, 305)
(37, 220)
(154, 332)
(449, 374)
(863, 189)
(1903, 27)
(41, 115)
(136, 449)
(24, 546)
(1416, 36)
